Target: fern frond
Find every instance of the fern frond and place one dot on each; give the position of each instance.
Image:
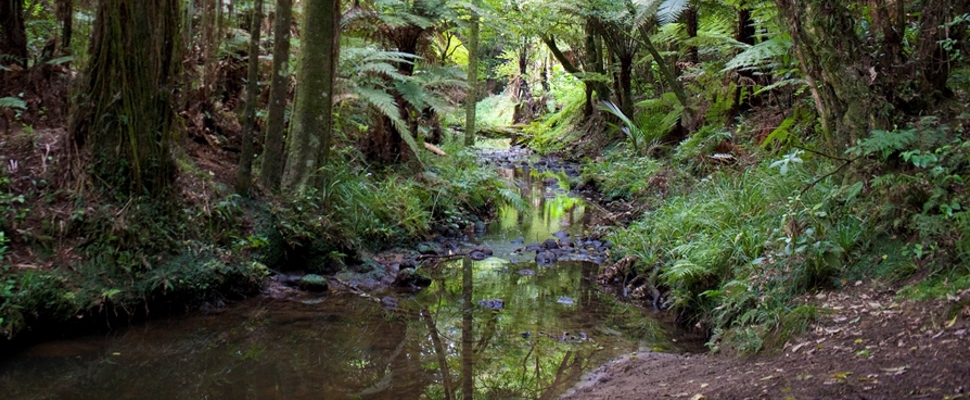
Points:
(513, 199)
(759, 55)
(12, 102)
(670, 10)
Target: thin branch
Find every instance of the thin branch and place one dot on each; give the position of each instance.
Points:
(837, 170)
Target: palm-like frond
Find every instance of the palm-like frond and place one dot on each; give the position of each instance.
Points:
(670, 10)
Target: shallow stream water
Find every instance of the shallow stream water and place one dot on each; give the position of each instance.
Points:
(519, 330)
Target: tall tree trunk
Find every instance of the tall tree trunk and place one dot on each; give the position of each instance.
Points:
(626, 85)
(13, 41)
(524, 104)
(65, 14)
(272, 168)
(744, 34)
(467, 335)
(310, 131)
(471, 101)
(125, 116)
(690, 21)
(244, 175)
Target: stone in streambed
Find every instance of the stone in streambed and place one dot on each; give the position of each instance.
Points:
(314, 283)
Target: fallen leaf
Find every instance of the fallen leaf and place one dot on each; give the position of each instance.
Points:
(699, 397)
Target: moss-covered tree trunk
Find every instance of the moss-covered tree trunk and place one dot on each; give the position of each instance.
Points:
(244, 176)
(836, 69)
(471, 101)
(123, 128)
(271, 171)
(13, 33)
(310, 130)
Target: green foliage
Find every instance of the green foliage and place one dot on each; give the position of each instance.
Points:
(553, 131)
(737, 249)
(623, 175)
(919, 173)
(643, 139)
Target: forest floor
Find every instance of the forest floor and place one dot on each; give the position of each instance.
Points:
(866, 344)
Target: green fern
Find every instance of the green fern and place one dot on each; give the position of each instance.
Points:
(760, 55)
(12, 102)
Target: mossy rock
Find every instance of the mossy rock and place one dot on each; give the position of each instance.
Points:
(314, 283)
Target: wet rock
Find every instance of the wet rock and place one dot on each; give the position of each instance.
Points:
(565, 243)
(495, 304)
(480, 253)
(527, 272)
(411, 278)
(534, 246)
(561, 235)
(427, 248)
(546, 258)
(550, 244)
(314, 283)
(388, 302)
(480, 227)
(566, 300)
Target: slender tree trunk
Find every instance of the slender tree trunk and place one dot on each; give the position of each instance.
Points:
(626, 85)
(124, 121)
(471, 101)
(665, 68)
(13, 33)
(244, 176)
(467, 336)
(744, 34)
(690, 20)
(272, 168)
(310, 131)
(524, 104)
(65, 14)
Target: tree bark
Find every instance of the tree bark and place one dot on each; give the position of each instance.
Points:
(310, 132)
(271, 171)
(690, 21)
(244, 175)
(837, 72)
(65, 13)
(471, 101)
(124, 120)
(13, 41)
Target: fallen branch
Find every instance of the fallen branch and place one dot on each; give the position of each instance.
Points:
(434, 149)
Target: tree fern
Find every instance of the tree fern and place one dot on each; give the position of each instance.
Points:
(761, 54)
(670, 10)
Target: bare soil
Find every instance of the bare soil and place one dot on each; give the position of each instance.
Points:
(867, 344)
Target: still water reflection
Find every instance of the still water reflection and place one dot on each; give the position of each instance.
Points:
(502, 328)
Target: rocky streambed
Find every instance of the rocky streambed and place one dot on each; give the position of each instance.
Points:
(511, 306)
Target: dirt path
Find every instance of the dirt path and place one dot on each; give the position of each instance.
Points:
(866, 345)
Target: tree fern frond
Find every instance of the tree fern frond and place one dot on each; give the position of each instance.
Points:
(513, 199)
(12, 102)
(760, 54)
(382, 102)
(381, 68)
(670, 10)
(412, 93)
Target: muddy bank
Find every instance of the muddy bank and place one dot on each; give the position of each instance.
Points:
(866, 345)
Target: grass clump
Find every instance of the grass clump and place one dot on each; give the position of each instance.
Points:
(735, 250)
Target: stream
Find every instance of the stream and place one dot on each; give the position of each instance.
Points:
(519, 328)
